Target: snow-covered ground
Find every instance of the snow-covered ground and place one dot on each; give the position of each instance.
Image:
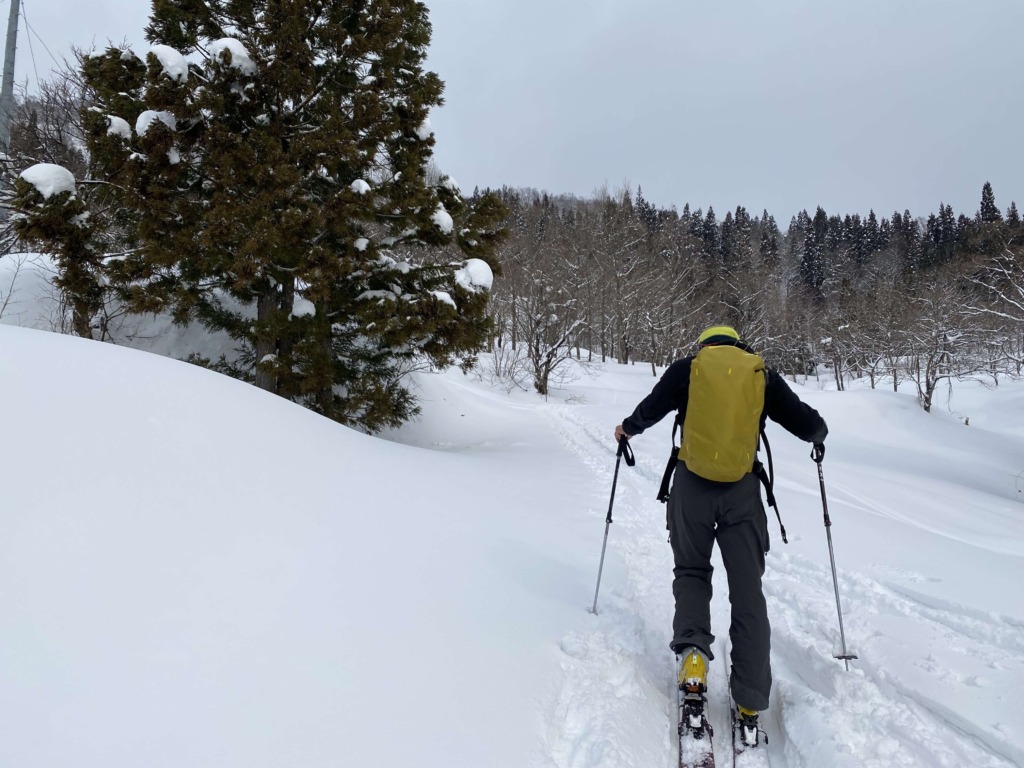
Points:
(194, 573)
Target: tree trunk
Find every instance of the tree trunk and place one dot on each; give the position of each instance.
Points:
(286, 340)
(265, 343)
(81, 321)
(325, 395)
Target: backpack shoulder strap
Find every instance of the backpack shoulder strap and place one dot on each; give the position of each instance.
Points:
(768, 481)
(666, 479)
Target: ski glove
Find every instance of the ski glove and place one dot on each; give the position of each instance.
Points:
(818, 452)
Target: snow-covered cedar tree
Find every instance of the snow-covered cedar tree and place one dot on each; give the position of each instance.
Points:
(54, 216)
(276, 153)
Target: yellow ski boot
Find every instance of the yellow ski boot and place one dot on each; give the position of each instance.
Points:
(693, 683)
(693, 670)
(749, 731)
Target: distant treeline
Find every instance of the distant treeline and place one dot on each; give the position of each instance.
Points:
(894, 298)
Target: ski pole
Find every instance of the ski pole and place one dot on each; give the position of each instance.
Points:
(624, 450)
(818, 454)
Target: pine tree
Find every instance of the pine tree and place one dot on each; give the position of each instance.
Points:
(279, 171)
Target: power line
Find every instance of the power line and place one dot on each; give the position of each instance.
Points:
(31, 51)
(29, 34)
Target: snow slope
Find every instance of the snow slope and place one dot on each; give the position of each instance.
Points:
(194, 573)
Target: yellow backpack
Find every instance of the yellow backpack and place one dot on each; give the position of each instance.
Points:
(723, 413)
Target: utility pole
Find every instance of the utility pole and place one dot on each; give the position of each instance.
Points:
(7, 87)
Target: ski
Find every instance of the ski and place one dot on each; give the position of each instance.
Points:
(749, 746)
(695, 732)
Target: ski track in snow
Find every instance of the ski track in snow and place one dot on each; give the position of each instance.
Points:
(615, 705)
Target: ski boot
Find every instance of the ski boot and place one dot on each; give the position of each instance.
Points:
(693, 685)
(749, 730)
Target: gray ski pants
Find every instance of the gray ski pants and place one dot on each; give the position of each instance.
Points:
(699, 513)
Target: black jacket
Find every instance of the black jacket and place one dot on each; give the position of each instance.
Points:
(780, 404)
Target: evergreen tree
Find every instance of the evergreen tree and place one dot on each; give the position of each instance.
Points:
(854, 235)
(988, 213)
(710, 233)
(279, 172)
(56, 216)
(1012, 216)
(872, 239)
(743, 238)
(906, 238)
(727, 240)
(648, 213)
(812, 265)
(768, 246)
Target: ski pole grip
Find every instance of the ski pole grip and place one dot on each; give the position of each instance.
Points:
(818, 453)
(626, 452)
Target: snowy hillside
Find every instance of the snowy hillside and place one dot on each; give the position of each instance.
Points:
(194, 573)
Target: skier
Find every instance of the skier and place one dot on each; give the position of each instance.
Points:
(723, 395)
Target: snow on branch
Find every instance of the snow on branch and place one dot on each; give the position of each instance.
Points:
(147, 118)
(174, 65)
(425, 130)
(443, 220)
(240, 58)
(49, 179)
(475, 276)
(118, 126)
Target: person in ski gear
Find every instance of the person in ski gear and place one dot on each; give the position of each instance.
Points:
(727, 508)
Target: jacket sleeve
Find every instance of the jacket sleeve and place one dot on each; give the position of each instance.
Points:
(668, 394)
(782, 406)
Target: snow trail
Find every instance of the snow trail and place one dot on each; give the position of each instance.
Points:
(615, 706)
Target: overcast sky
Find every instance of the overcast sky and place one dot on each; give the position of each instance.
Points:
(777, 104)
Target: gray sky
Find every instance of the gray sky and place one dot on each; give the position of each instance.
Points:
(777, 104)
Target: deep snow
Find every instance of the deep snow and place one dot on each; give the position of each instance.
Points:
(194, 573)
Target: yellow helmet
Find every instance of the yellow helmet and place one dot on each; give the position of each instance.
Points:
(718, 334)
